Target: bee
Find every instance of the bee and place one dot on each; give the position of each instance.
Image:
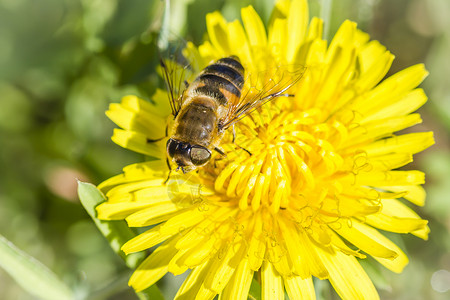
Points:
(210, 105)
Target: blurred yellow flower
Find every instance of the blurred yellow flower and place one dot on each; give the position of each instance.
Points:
(319, 184)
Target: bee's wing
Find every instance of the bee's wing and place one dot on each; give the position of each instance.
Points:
(177, 73)
(261, 88)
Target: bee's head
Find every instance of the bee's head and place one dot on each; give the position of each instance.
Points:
(187, 156)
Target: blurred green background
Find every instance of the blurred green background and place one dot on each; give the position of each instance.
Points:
(63, 61)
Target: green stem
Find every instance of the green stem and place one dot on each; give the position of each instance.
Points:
(163, 38)
(325, 15)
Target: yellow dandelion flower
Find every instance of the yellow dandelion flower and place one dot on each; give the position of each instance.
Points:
(320, 181)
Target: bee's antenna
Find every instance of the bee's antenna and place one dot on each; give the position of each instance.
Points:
(170, 171)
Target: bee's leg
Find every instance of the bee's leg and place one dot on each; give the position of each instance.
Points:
(154, 141)
(170, 171)
(286, 95)
(249, 153)
(186, 84)
(234, 140)
(220, 151)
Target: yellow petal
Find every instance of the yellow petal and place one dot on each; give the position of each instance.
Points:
(119, 211)
(223, 266)
(176, 268)
(347, 276)
(344, 38)
(241, 46)
(389, 161)
(381, 128)
(300, 289)
(390, 178)
(254, 27)
(316, 54)
(161, 104)
(144, 241)
(239, 285)
(204, 228)
(138, 142)
(406, 143)
(186, 219)
(111, 182)
(314, 37)
(308, 251)
(362, 163)
(280, 11)
(135, 172)
(375, 73)
(351, 206)
(217, 31)
(141, 121)
(409, 103)
(375, 62)
(147, 170)
(197, 253)
(337, 74)
(297, 23)
(363, 237)
(395, 265)
(192, 283)
(153, 215)
(369, 55)
(257, 246)
(135, 104)
(276, 254)
(278, 37)
(144, 190)
(153, 267)
(361, 38)
(315, 29)
(204, 293)
(390, 91)
(414, 193)
(397, 217)
(209, 53)
(339, 244)
(271, 283)
(297, 256)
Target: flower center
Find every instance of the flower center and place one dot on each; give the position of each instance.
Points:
(279, 159)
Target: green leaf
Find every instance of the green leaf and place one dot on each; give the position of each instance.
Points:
(116, 232)
(31, 274)
(255, 290)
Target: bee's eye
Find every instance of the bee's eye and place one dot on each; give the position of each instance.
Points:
(200, 155)
(171, 147)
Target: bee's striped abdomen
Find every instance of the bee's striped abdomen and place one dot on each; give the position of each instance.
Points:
(222, 80)
(196, 129)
